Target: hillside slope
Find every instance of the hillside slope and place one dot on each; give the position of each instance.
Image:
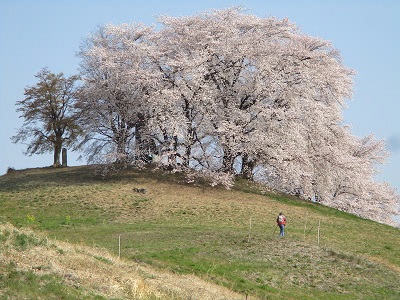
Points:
(91, 272)
(214, 236)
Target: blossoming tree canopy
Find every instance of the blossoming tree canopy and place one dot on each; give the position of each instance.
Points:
(227, 93)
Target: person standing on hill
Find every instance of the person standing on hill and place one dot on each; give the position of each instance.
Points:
(281, 221)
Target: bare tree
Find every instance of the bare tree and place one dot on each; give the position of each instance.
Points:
(50, 119)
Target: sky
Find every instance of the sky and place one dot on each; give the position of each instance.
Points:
(48, 33)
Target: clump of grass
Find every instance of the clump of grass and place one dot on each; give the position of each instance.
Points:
(17, 284)
(103, 259)
(30, 218)
(19, 240)
(67, 220)
(22, 241)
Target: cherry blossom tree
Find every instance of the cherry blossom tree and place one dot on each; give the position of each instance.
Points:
(211, 62)
(116, 74)
(225, 93)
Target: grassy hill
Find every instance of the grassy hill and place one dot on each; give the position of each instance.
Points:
(62, 232)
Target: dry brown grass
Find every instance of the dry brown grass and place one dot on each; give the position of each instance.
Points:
(97, 271)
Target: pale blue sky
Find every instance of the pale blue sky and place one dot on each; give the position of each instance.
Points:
(47, 33)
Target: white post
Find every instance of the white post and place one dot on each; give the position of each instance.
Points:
(249, 231)
(119, 246)
(305, 227)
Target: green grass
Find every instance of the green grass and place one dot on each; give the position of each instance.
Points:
(196, 229)
(15, 284)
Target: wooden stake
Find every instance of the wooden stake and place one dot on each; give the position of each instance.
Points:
(249, 231)
(319, 225)
(305, 227)
(119, 246)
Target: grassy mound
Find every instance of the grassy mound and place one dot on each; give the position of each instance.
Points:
(214, 243)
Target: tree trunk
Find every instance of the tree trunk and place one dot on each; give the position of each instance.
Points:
(248, 165)
(57, 153)
(227, 162)
(145, 149)
(186, 158)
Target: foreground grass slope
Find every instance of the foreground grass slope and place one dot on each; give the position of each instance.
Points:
(35, 267)
(216, 236)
